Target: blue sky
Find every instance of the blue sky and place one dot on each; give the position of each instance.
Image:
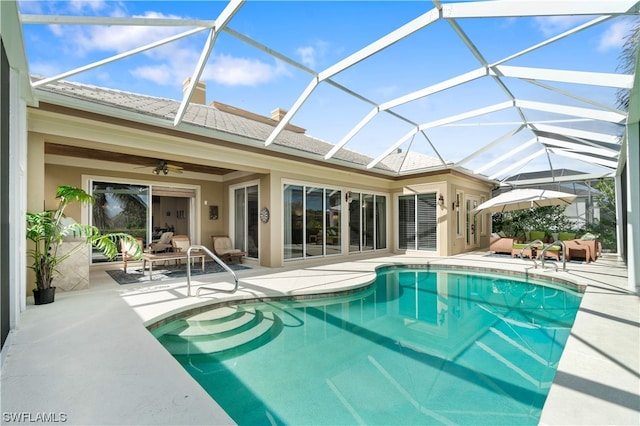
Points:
(317, 35)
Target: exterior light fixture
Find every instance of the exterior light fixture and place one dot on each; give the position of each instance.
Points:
(347, 197)
(441, 200)
(456, 205)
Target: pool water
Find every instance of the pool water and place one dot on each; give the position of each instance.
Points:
(418, 347)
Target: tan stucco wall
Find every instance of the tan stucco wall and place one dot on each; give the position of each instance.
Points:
(270, 170)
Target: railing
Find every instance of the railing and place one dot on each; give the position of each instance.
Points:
(531, 244)
(218, 261)
(564, 255)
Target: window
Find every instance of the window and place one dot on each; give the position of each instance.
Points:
(417, 222)
(483, 219)
(367, 222)
(293, 220)
(5, 247)
(458, 205)
(245, 234)
(312, 221)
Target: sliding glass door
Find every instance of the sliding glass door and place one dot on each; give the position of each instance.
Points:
(120, 207)
(143, 211)
(245, 235)
(312, 221)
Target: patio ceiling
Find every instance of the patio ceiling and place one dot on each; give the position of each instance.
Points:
(474, 101)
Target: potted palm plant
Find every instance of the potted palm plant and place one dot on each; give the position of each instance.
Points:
(48, 230)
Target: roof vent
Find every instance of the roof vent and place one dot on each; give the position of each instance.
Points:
(399, 151)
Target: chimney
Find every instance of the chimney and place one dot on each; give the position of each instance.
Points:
(278, 114)
(199, 93)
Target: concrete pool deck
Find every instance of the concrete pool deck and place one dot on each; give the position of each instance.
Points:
(88, 358)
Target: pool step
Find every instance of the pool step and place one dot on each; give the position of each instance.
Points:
(205, 325)
(209, 335)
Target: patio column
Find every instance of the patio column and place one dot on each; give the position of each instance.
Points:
(633, 204)
(620, 228)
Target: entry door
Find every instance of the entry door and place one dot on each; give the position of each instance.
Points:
(472, 231)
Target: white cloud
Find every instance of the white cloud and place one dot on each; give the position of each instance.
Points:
(307, 56)
(81, 5)
(159, 74)
(310, 55)
(122, 38)
(230, 71)
(222, 69)
(46, 69)
(168, 64)
(615, 36)
(552, 25)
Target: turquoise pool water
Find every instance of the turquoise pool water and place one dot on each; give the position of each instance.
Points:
(418, 347)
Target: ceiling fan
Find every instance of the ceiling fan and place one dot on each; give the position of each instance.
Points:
(163, 167)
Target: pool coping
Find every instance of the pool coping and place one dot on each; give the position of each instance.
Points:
(165, 318)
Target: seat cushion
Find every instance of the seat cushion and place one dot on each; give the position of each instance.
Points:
(563, 236)
(536, 235)
(165, 238)
(223, 245)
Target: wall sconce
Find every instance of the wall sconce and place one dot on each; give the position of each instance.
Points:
(456, 205)
(475, 204)
(441, 200)
(347, 197)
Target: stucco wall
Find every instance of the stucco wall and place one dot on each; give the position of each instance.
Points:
(270, 170)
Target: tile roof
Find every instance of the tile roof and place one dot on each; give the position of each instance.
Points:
(211, 117)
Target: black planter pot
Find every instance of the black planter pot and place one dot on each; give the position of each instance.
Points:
(42, 297)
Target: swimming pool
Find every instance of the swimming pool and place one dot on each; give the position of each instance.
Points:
(417, 347)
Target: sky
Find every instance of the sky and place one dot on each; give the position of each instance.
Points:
(319, 34)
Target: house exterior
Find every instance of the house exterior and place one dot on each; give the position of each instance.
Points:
(221, 178)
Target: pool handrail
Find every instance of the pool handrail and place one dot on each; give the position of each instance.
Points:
(531, 244)
(218, 261)
(564, 255)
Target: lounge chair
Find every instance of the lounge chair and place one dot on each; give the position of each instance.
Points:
(128, 251)
(501, 244)
(582, 249)
(223, 248)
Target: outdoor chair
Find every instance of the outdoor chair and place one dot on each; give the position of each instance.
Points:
(163, 243)
(537, 235)
(565, 236)
(554, 252)
(525, 249)
(181, 244)
(223, 248)
(503, 245)
(128, 251)
(583, 249)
